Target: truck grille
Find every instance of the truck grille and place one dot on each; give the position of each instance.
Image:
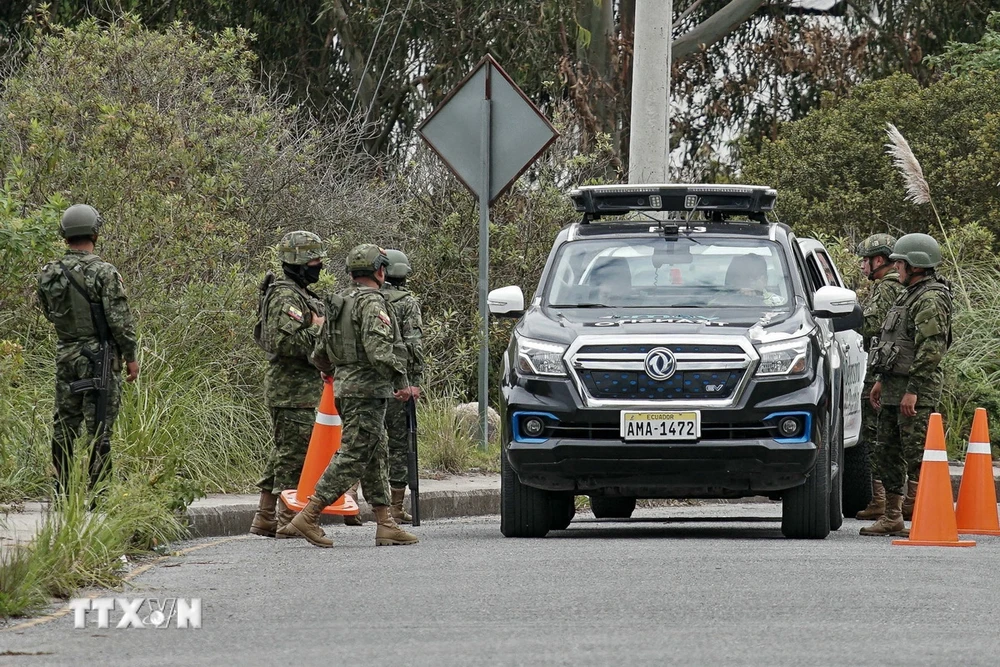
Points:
(710, 370)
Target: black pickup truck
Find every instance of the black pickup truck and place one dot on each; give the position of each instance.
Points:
(681, 345)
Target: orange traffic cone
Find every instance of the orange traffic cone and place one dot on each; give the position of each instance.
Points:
(976, 513)
(323, 444)
(934, 511)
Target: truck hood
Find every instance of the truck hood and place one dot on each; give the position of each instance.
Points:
(563, 325)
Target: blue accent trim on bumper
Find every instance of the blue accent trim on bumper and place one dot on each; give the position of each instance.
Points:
(806, 431)
(515, 420)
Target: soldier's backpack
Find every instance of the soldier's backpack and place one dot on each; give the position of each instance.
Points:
(258, 328)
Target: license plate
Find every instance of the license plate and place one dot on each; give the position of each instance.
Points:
(661, 425)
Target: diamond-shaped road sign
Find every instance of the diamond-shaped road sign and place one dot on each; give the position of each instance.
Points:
(518, 130)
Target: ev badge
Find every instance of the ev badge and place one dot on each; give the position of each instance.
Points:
(660, 364)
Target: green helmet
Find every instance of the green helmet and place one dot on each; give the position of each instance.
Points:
(300, 248)
(876, 244)
(366, 257)
(80, 220)
(918, 250)
(399, 264)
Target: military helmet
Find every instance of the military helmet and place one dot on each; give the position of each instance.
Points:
(80, 220)
(876, 244)
(919, 250)
(300, 248)
(399, 265)
(366, 257)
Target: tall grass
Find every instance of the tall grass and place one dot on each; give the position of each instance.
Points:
(445, 444)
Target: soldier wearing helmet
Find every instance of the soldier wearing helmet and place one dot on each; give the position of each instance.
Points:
(874, 254)
(289, 319)
(362, 348)
(913, 340)
(406, 311)
(84, 298)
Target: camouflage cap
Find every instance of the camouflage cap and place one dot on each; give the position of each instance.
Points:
(919, 250)
(366, 257)
(300, 248)
(399, 264)
(80, 220)
(876, 244)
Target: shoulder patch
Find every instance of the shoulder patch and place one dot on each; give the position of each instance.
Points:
(382, 315)
(294, 313)
(121, 283)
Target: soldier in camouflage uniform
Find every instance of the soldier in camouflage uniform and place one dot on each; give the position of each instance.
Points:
(67, 290)
(360, 346)
(878, 268)
(290, 316)
(915, 336)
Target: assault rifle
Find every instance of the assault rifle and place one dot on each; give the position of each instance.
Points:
(411, 464)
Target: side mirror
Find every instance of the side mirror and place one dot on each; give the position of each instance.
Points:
(852, 321)
(834, 301)
(506, 301)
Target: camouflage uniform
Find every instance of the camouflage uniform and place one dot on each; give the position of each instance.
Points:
(76, 333)
(883, 294)
(926, 309)
(292, 385)
(362, 391)
(406, 311)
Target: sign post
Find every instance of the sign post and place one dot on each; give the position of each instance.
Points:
(487, 132)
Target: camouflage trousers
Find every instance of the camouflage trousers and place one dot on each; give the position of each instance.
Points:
(363, 452)
(399, 443)
(901, 446)
(292, 430)
(74, 411)
(869, 429)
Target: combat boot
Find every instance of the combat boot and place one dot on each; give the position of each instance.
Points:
(307, 523)
(876, 507)
(387, 533)
(891, 522)
(264, 522)
(355, 519)
(909, 501)
(285, 528)
(396, 510)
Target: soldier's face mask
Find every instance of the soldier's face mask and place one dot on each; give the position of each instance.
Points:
(310, 273)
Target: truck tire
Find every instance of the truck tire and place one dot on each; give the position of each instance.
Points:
(524, 510)
(837, 482)
(857, 479)
(563, 511)
(805, 509)
(604, 507)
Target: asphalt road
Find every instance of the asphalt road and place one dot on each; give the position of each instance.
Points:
(663, 590)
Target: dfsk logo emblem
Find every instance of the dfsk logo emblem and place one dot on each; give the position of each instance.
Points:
(660, 364)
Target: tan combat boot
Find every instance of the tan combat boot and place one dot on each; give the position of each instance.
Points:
(353, 520)
(285, 528)
(909, 501)
(307, 523)
(396, 510)
(387, 533)
(876, 507)
(264, 522)
(891, 522)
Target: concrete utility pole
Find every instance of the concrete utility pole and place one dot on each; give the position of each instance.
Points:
(649, 143)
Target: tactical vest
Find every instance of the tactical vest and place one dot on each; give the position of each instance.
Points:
(267, 288)
(68, 308)
(895, 350)
(341, 339)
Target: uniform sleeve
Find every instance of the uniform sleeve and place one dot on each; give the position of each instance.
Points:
(378, 339)
(931, 320)
(289, 326)
(882, 298)
(319, 357)
(118, 313)
(411, 327)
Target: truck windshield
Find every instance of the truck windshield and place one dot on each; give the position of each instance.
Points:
(669, 273)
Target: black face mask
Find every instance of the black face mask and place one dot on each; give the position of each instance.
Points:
(303, 275)
(311, 273)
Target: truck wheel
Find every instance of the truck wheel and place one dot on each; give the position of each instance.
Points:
(612, 508)
(563, 511)
(524, 510)
(805, 509)
(857, 479)
(836, 482)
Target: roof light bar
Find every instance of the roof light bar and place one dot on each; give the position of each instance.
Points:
(599, 200)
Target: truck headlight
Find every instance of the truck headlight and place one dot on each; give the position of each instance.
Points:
(538, 357)
(787, 357)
